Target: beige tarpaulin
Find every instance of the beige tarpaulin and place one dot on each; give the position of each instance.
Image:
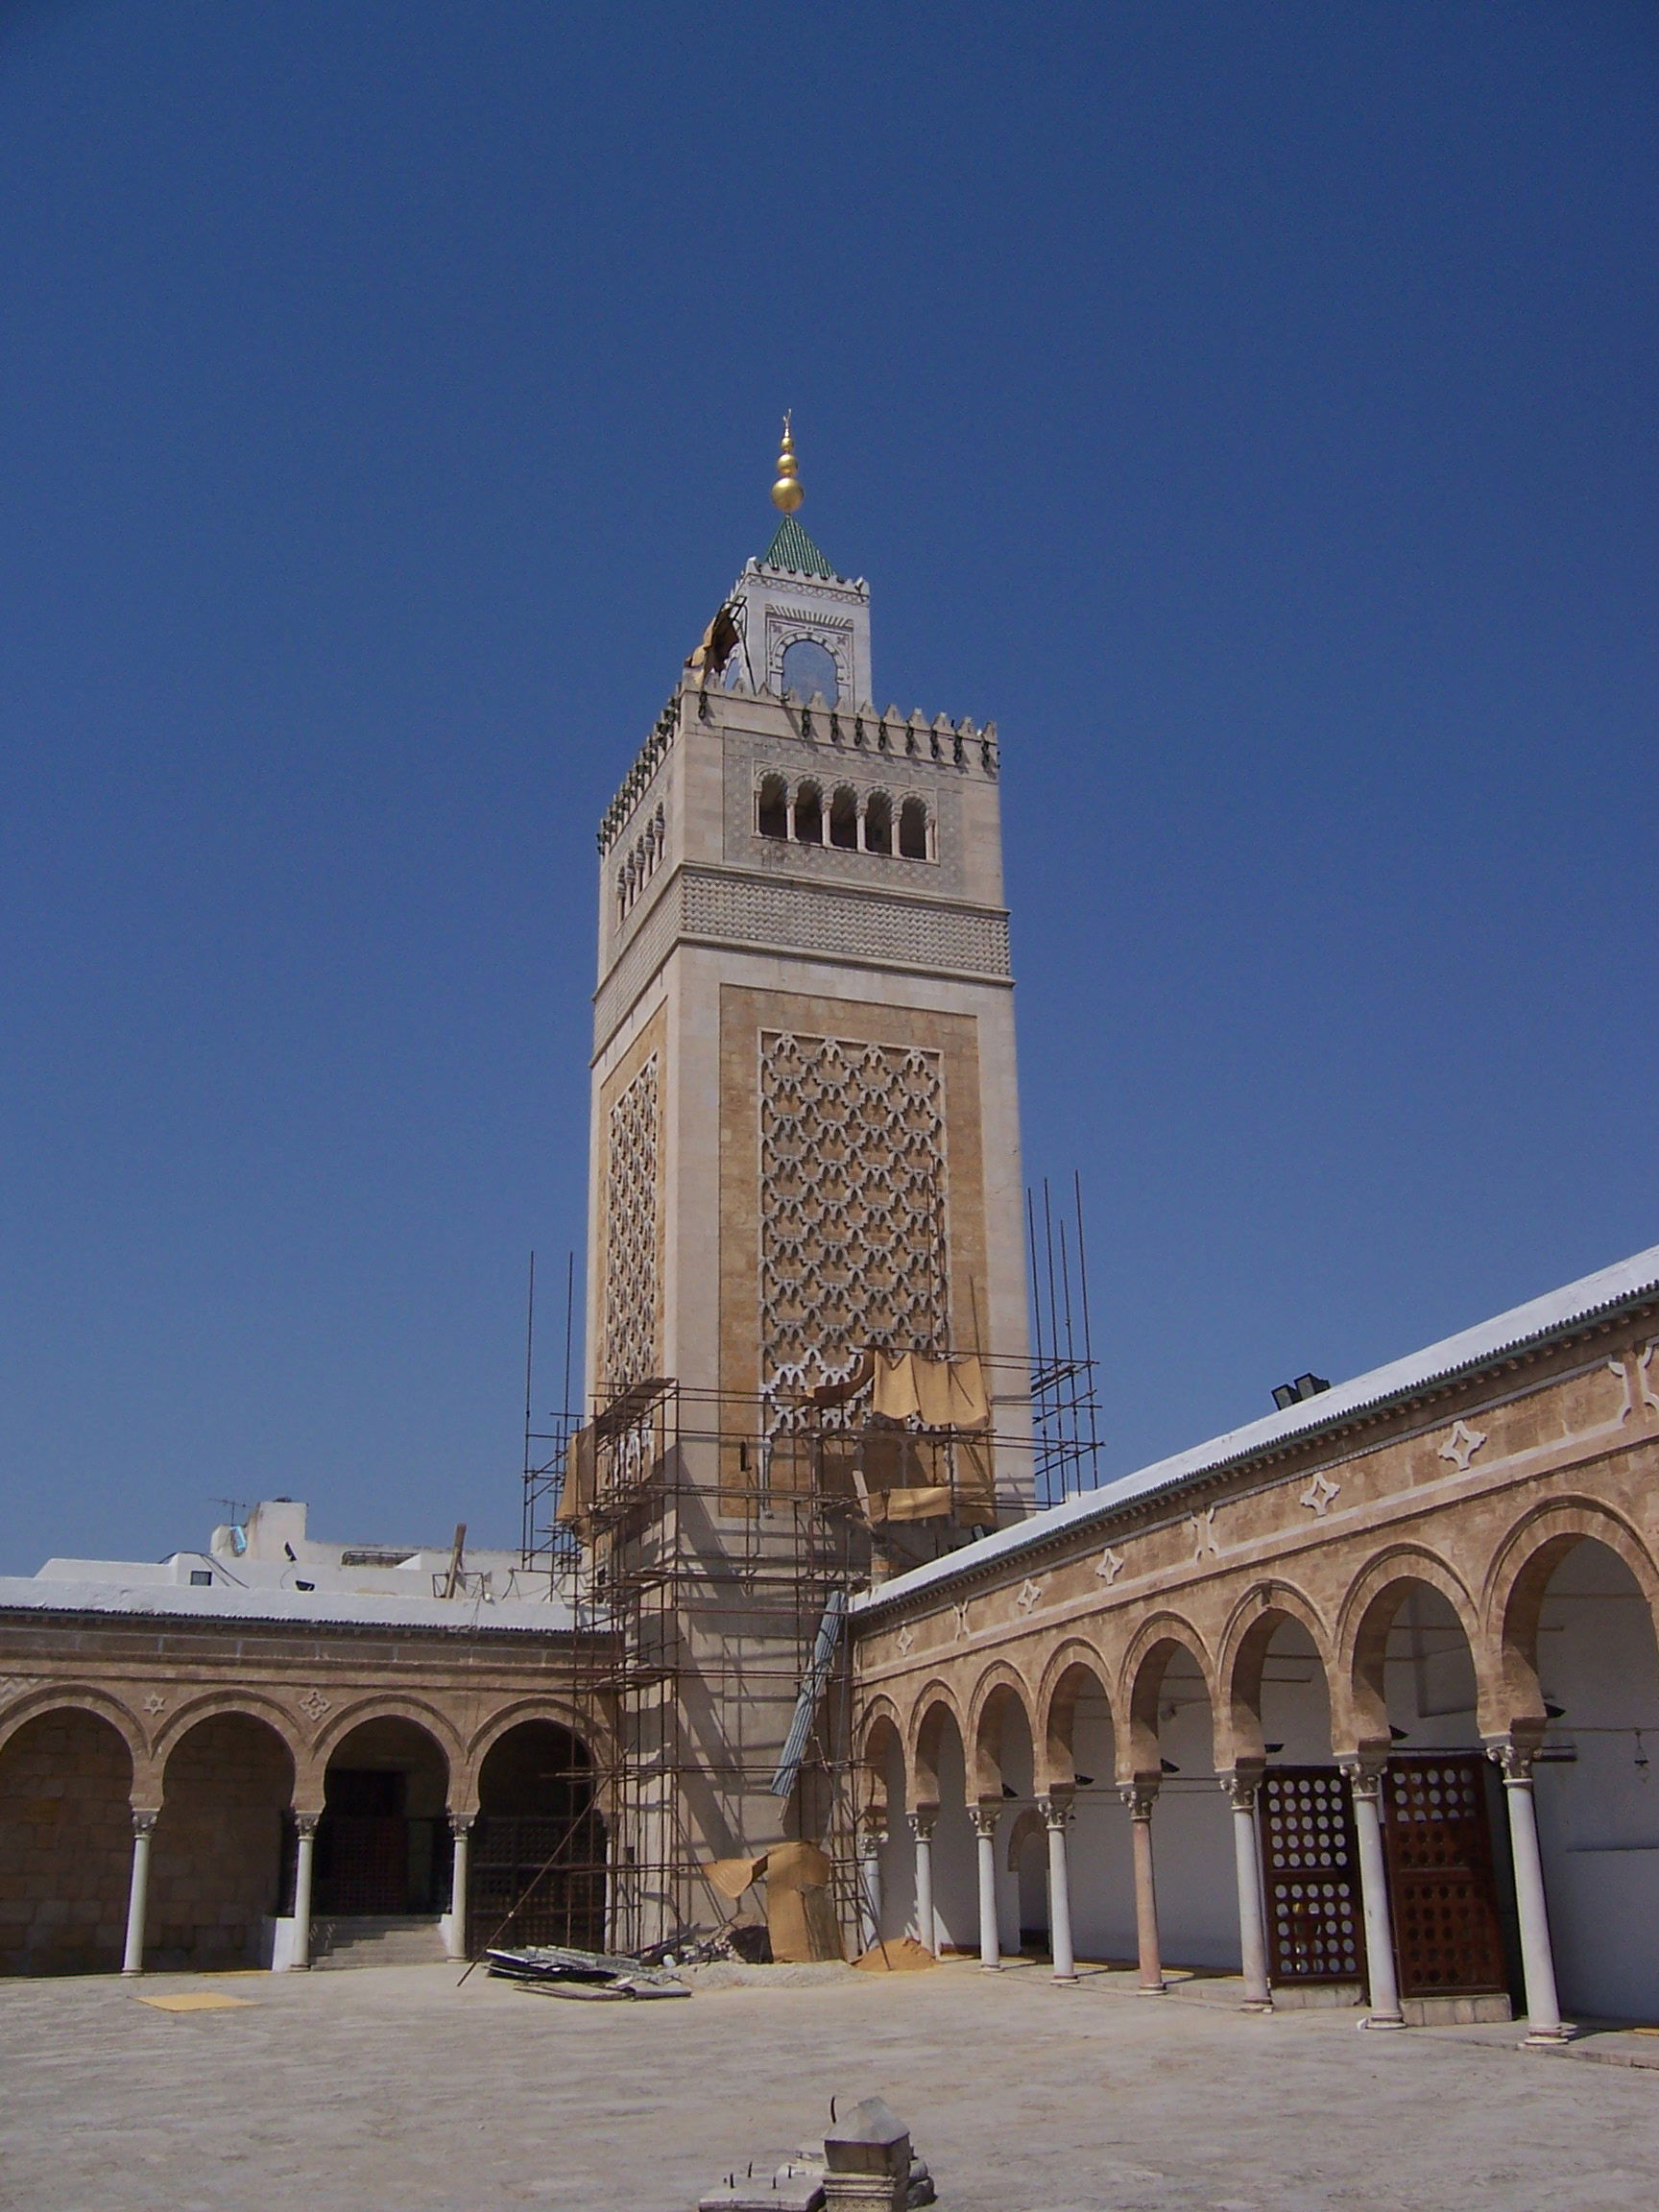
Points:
(800, 1912)
(732, 1876)
(940, 1393)
(801, 1922)
(580, 1472)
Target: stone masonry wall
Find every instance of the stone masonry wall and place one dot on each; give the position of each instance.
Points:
(65, 1846)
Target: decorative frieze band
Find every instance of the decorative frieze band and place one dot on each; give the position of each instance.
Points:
(711, 908)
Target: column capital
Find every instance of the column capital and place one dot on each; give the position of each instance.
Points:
(921, 1821)
(1056, 1810)
(144, 1820)
(306, 1824)
(1364, 1773)
(869, 1842)
(461, 1823)
(1139, 1795)
(1240, 1791)
(984, 1818)
(1512, 1760)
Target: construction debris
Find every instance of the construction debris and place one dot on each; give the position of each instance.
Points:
(743, 1942)
(591, 1975)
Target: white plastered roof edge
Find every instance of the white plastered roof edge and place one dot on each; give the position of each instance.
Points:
(1557, 1312)
(343, 1609)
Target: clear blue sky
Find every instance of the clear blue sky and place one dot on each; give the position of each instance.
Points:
(1251, 408)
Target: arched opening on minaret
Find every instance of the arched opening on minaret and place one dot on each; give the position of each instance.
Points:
(772, 807)
(809, 671)
(844, 819)
(913, 829)
(878, 823)
(809, 815)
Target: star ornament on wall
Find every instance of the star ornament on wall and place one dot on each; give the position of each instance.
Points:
(1109, 1567)
(1030, 1596)
(1319, 1493)
(1461, 1445)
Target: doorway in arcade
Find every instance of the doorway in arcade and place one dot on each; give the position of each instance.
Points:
(383, 1842)
(537, 1870)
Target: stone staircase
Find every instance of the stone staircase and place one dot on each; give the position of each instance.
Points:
(378, 1939)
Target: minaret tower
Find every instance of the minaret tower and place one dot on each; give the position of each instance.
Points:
(804, 1142)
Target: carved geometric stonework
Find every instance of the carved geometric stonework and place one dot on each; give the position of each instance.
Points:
(962, 1628)
(1029, 1597)
(632, 1234)
(1319, 1493)
(155, 1702)
(1618, 1367)
(1461, 1445)
(905, 1639)
(1649, 1396)
(1109, 1567)
(852, 1222)
(1202, 1528)
(313, 1704)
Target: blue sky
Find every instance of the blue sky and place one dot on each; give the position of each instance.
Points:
(1252, 410)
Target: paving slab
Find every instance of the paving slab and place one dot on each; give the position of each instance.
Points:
(397, 2089)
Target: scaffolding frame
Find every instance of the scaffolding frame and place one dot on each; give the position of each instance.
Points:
(697, 1597)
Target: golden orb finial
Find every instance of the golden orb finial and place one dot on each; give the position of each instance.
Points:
(786, 492)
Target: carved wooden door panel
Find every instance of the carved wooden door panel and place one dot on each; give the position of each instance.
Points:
(1310, 1876)
(1448, 1939)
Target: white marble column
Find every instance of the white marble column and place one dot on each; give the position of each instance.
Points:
(1544, 2024)
(305, 1827)
(1141, 1797)
(1365, 1781)
(985, 1818)
(1056, 1815)
(1241, 1792)
(138, 1892)
(461, 1829)
(922, 1830)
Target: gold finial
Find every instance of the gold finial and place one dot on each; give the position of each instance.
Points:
(786, 492)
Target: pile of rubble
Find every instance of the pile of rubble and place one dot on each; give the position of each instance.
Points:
(556, 1972)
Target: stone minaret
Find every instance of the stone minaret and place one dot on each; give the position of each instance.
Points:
(805, 1142)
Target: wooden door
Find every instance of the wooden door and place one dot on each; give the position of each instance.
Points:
(1437, 1839)
(1310, 1876)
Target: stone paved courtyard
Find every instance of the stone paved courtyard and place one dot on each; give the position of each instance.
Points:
(361, 2092)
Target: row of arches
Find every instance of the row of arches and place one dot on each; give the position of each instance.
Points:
(642, 862)
(847, 818)
(230, 1844)
(1423, 1699)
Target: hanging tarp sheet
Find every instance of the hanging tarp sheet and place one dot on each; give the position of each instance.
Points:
(939, 1393)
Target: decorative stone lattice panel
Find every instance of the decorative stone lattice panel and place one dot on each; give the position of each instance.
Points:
(853, 1202)
(632, 1236)
(752, 911)
(805, 918)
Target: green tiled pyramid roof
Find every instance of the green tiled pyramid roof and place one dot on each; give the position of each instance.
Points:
(791, 548)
